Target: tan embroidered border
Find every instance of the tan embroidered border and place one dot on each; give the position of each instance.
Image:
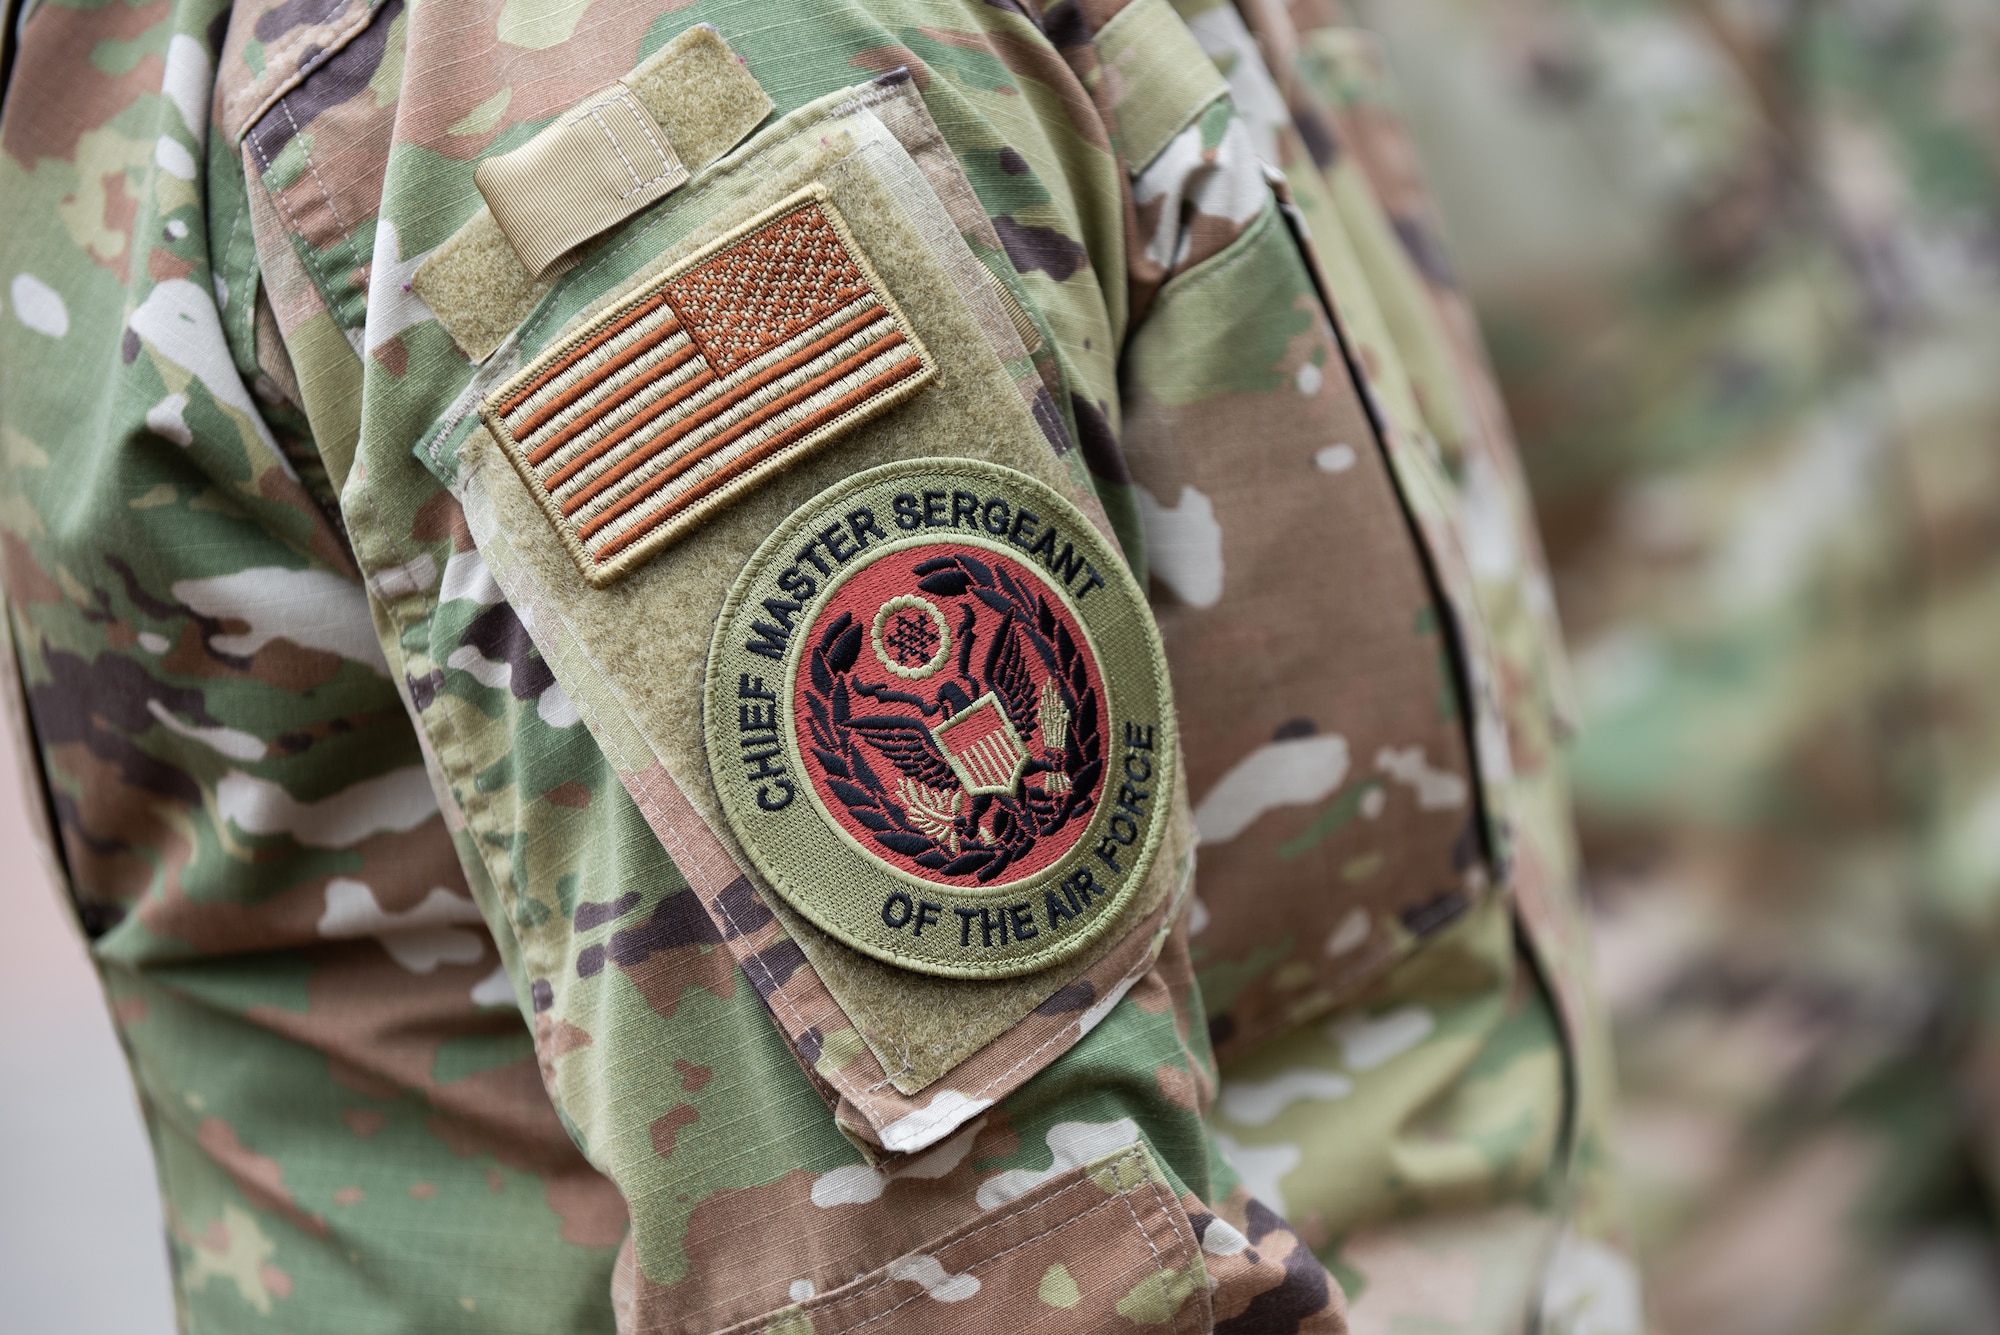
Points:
(724, 370)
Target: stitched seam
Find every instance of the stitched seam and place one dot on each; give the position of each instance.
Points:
(444, 731)
(1117, 1197)
(644, 118)
(448, 424)
(1159, 1265)
(865, 101)
(904, 1066)
(1125, 981)
(486, 801)
(921, 1293)
(638, 183)
(504, 885)
(1133, 15)
(333, 7)
(837, 1079)
(1238, 252)
(1478, 656)
(298, 136)
(300, 37)
(1198, 1292)
(597, 119)
(1065, 1222)
(249, 316)
(310, 259)
(640, 117)
(1172, 1214)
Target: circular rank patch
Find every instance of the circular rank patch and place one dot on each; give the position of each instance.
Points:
(938, 719)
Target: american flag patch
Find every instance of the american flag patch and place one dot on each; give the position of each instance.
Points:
(726, 369)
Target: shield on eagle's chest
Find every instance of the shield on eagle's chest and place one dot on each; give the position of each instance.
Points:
(982, 746)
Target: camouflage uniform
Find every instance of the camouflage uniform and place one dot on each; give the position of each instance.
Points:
(457, 997)
(1740, 267)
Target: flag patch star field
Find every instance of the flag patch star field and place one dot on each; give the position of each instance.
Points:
(703, 382)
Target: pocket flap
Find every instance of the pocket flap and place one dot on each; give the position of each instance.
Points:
(1101, 1248)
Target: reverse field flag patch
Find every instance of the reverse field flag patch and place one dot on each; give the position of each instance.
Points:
(704, 382)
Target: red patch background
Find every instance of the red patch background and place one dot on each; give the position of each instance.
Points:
(863, 593)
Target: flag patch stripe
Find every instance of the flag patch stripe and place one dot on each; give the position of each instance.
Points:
(575, 361)
(671, 363)
(640, 345)
(771, 425)
(696, 403)
(726, 404)
(604, 426)
(640, 390)
(903, 370)
(768, 344)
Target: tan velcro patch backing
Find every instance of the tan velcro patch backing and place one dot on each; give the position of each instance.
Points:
(703, 382)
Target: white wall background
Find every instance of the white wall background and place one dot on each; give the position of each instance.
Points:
(82, 1248)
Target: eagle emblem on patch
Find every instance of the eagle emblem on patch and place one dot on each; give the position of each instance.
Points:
(938, 721)
(705, 381)
(984, 769)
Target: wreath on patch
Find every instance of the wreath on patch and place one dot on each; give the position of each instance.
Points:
(1008, 643)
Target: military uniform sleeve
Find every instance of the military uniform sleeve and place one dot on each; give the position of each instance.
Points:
(344, 1108)
(842, 504)
(958, 1095)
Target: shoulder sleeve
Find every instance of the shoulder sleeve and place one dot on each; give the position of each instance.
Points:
(320, 1026)
(956, 1119)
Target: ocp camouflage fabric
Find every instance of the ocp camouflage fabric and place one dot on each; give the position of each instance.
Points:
(1739, 269)
(454, 1003)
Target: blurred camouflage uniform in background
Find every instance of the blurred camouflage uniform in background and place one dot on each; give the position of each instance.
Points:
(1739, 266)
(456, 998)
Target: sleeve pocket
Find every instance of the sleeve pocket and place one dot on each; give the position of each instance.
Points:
(1103, 1247)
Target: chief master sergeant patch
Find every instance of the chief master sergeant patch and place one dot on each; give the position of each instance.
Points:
(939, 721)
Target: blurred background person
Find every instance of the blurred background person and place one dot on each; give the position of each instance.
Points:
(1738, 267)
